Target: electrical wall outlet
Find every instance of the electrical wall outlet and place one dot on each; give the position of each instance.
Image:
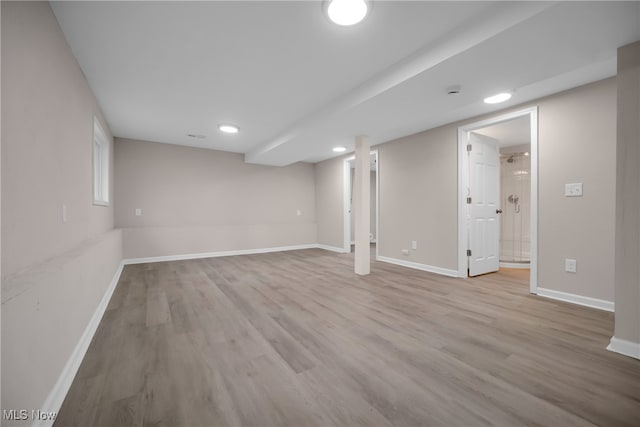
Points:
(573, 190)
(138, 212)
(570, 265)
(414, 244)
(405, 251)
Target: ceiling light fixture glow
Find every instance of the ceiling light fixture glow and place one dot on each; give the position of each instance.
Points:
(347, 12)
(496, 99)
(340, 149)
(228, 128)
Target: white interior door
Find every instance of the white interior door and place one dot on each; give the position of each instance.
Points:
(484, 191)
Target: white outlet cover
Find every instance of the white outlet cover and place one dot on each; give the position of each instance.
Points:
(570, 265)
(138, 212)
(573, 190)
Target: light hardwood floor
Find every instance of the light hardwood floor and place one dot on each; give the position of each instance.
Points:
(295, 338)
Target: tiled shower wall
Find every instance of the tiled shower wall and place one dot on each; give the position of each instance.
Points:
(515, 183)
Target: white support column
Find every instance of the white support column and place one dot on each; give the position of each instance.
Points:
(362, 206)
(627, 273)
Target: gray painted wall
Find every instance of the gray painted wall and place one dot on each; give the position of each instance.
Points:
(577, 139)
(330, 202)
(418, 197)
(196, 200)
(418, 192)
(54, 274)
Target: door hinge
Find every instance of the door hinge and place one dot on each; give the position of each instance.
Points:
(468, 252)
(468, 147)
(468, 200)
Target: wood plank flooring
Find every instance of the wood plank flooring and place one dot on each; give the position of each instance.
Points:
(296, 339)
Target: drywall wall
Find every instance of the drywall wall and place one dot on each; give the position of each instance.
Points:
(418, 192)
(48, 111)
(577, 140)
(54, 274)
(329, 185)
(195, 200)
(627, 248)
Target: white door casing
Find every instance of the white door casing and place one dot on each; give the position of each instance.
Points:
(484, 193)
(463, 188)
(347, 191)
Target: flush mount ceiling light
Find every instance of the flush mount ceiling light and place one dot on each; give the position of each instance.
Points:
(228, 128)
(496, 99)
(340, 149)
(347, 12)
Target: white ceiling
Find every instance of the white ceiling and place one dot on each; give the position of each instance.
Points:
(297, 85)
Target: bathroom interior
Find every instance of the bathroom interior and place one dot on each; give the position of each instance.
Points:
(515, 190)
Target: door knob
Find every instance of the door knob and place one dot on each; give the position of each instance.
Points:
(498, 211)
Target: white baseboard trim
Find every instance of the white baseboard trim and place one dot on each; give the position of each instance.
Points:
(56, 397)
(331, 248)
(576, 299)
(182, 257)
(521, 265)
(418, 266)
(627, 348)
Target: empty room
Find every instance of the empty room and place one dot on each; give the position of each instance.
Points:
(329, 213)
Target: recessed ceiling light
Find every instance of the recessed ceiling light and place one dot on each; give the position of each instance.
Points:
(228, 128)
(340, 149)
(347, 12)
(496, 99)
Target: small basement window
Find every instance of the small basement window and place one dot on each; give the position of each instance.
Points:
(100, 165)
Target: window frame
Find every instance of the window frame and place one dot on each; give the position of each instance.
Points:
(101, 162)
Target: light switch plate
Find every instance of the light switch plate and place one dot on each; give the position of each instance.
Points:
(138, 212)
(573, 190)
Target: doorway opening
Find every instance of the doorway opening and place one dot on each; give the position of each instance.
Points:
(349, 174)
(513, 140)
(499, 231)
